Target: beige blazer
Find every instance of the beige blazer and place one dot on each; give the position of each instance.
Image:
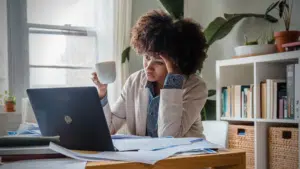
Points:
(179, 109)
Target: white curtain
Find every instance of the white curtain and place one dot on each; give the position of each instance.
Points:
(114, 36)
(122, 25)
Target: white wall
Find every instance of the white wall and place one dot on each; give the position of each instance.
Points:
(139, 7)
(3, 47)
(205, 11)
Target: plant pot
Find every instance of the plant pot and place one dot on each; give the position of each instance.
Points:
(254, 50)
(9, 106)
(284, 37)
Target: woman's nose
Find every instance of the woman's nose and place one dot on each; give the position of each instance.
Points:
(149, 66)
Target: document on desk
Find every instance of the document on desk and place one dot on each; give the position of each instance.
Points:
(147, 157)
(199, 146)
(148, 144)
(65, 163)
(159, 151)
(123, 136)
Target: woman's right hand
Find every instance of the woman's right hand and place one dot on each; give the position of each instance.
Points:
(102, 88)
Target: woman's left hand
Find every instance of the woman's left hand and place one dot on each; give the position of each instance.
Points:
(170, 64)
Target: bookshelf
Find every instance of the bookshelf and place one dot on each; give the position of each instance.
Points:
(254, 70)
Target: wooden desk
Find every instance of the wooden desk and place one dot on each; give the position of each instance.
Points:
(232, 159)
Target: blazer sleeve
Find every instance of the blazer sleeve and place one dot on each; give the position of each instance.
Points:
(116, 114)
(179, 108)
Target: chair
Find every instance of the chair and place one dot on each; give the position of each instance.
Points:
(216, 132)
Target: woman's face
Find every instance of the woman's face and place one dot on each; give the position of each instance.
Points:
(155, 68)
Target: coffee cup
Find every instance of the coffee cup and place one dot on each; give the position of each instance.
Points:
(106, 71)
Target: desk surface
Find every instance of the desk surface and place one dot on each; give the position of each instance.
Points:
(232, 159)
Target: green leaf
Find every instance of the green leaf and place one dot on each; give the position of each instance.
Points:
(213, 28)
(211, 93)
(5, 92)
(267, 17)
(221, 27)
(281, 8)
(272, 6)
(173, 7)
(125, 54)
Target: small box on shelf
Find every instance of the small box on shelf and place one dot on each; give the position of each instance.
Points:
(242, 137)
(283, 147)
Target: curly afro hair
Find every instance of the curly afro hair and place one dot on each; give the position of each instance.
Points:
(156, 33)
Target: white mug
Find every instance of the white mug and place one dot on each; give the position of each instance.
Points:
(106, 72)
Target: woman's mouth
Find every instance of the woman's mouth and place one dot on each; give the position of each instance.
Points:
(149, 74)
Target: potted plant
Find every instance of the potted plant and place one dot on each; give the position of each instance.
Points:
(284, 8)
(9, 102)
(260, 46)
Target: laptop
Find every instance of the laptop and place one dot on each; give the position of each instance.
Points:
(75, 114)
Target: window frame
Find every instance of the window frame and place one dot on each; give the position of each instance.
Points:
(18, 46)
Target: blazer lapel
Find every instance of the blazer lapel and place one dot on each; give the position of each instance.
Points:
(141, 115)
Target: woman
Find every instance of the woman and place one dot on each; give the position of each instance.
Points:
(166, 97)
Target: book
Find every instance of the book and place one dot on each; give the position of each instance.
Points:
(10, 154)
(263, 99)
(297, 91)
(280, 93)
(290, 74)
(23, 140)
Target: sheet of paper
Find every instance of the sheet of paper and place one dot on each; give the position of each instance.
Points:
(191, 153)
(69, 153)
(147, 157)
(64, 163)
(148, 144)
(207, 144)
(198, 146)
(122, 136)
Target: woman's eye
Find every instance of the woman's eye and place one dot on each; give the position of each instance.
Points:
(147, 57)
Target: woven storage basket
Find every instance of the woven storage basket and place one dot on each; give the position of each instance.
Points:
(283, 148)
(242, 137)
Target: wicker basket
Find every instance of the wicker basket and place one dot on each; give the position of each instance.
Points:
(283, 148)
(242, 137)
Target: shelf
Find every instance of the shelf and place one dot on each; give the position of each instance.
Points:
(276, 57)
(260, 120)
(277, 120)
(237, 119)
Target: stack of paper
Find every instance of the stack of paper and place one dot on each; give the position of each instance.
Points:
(148, 144)
(149, 151)
(123, 136)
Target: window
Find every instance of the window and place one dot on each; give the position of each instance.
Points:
(56, 43)
(3, 49)
(62, 42)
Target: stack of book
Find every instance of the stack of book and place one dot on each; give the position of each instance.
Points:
(280, 97)
(273, 99)
(237, 101)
